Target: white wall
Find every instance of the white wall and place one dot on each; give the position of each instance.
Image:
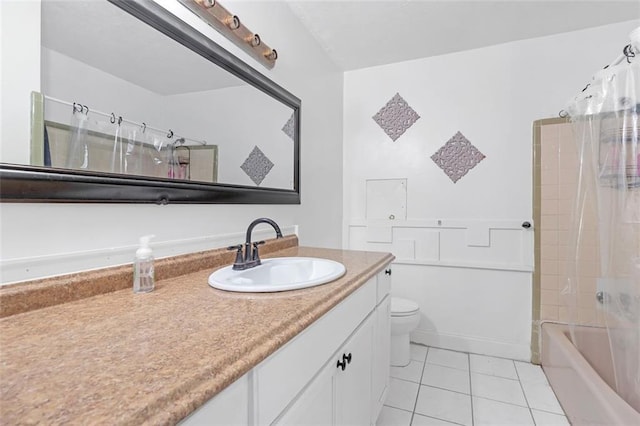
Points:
(19, 74)
(237, 119)
(99, 90)
(473, 297)
(46, 239)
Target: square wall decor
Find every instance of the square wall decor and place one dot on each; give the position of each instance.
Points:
(396, 117)
(257, 166)
(457, 157)
(288, 127)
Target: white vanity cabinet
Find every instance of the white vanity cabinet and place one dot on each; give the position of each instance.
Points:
(381, 363)
(335, 372)
(353, 395)
(352, 391)
(340, 392)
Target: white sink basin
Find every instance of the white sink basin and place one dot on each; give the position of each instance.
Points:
(278, 274)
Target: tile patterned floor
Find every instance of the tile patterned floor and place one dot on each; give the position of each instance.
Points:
(441, 387)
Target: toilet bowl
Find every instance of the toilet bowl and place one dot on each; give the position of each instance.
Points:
(405, 316)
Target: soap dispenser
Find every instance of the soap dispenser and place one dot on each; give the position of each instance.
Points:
(143, 279)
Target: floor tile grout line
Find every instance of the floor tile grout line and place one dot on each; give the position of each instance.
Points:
(415, 403)
(448, 366)
(533, 419)
(396, 408)
(503, 402)
(552, 391)
(448, 390)
(470, 391)
(442, 420)
(493, 375)
(551, 412)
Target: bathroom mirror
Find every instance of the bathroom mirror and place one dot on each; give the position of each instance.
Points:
(137, 106)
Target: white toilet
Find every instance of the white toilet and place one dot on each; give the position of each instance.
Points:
(405, 316)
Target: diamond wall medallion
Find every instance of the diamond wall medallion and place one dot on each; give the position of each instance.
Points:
(457, 157)
(289, 127)
(396, 117)
(257, 166)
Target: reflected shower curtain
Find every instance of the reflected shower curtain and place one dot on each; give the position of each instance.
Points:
(78, 151)
(607, 126)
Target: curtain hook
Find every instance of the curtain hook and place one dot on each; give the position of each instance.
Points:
(144, 127)
(119, 120)
(77, 107)
(563, 114)
(85, 107)
(170, 134)
(113, 118)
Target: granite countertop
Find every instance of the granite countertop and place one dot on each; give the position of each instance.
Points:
(125, 358)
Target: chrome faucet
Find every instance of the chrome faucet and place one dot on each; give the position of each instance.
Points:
(251, 258)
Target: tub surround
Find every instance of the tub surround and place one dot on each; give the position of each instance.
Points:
(112, 356)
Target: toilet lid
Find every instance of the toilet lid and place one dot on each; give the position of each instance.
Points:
(403, 307)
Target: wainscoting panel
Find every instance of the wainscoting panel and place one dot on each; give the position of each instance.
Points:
(472, 280)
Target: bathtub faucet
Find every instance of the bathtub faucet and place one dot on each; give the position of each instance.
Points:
(251, 257)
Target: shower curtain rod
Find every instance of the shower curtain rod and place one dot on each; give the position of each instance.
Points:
(630, 52)
(113, 117)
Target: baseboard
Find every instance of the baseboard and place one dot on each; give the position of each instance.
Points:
(521, 352)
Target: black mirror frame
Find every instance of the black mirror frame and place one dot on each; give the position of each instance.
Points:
(19, 183)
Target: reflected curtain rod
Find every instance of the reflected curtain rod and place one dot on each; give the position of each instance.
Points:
(113, 117)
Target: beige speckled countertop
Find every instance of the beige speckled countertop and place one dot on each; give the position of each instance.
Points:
(125, 358)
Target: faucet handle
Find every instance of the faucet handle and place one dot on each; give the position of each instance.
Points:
(256, 256)
(239, 262)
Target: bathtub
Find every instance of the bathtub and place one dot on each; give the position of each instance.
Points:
(582, 382)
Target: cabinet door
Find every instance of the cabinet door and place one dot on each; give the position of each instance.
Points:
(353, 384)
(315, 404)
(381, 356)
(229, 407)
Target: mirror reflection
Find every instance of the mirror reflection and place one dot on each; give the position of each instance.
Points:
(119, 97)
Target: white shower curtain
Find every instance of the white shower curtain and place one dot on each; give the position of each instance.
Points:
(607, 126)
(78, 150)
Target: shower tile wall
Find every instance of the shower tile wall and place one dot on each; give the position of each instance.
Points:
(556, 186)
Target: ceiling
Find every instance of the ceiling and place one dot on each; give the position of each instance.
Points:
(107, 38)
(354, 33)
(361, 34)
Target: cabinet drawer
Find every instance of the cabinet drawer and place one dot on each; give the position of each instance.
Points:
(383, 283)
(279, 378)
